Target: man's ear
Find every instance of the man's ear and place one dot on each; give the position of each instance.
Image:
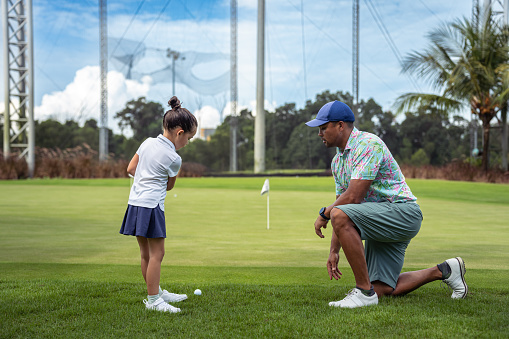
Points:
(180, 131)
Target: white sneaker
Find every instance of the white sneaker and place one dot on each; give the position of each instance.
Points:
(161, 305)
(172, 297)
(456, 280)
(355, 298)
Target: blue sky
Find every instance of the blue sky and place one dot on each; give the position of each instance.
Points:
(67, 50)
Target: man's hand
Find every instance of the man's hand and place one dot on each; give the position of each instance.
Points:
(332, 266)
(319, 223)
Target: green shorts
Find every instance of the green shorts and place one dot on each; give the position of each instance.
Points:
(387, 229)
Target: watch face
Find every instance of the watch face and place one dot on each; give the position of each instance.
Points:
(322, 210)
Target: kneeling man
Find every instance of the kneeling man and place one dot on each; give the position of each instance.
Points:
(373, 203)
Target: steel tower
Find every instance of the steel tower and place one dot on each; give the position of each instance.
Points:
(18, 115)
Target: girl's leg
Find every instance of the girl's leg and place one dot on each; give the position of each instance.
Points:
(145, 255)
(153, 273)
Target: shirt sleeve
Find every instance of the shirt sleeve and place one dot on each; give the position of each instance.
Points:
(174, 168)
(339, 187)
(142, 146)
(367, 159)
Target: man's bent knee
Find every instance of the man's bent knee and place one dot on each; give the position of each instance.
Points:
(339, 219)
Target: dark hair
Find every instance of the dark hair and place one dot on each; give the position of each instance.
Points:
(178, 116)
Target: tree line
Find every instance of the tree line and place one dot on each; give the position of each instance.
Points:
(425, 136)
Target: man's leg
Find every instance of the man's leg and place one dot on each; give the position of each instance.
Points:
(408, 282)
(352, 247)
(451, 271)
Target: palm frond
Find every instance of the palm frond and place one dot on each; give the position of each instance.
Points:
(408, 101)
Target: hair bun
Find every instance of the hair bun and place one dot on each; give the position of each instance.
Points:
(174, 103)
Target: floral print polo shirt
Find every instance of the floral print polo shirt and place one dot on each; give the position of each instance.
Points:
(367, 157)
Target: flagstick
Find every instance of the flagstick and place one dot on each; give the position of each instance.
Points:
(268, 194)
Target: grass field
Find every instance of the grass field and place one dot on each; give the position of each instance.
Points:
(66, 272)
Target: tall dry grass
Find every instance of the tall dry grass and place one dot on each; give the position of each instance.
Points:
(456, 170)
(78, 162)
(82, 162)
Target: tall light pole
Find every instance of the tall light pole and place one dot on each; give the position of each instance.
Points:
(259, 142)
(355, 56)
(18, 115)
(174, 55)
(504, 112)
(103, 128)
(233, 85)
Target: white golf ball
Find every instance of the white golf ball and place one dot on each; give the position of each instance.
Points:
(197, 292)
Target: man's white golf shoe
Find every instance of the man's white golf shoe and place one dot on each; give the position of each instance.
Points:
(456, 280)
(355, 298)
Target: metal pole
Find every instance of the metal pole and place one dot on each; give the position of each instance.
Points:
(103, 130)
(259, 142)
(7, 113)
(355, 57)
(173, 73)
(504, 112)
(268, 219)
(31, 124)
(233, 85)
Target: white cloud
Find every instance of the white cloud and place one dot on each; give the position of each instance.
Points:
(207, 116)
(80, 100)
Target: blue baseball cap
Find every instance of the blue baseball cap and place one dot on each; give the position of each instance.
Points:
(332, 111)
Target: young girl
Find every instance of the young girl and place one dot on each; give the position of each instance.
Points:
(155, 167)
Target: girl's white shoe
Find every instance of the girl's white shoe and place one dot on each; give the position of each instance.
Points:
(172, 297)
(161, 305)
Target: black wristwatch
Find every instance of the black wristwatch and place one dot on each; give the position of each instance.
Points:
(322, 213)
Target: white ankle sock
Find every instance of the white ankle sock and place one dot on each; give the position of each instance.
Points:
(160, 290)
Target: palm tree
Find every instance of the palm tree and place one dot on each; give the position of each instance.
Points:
(466, 65)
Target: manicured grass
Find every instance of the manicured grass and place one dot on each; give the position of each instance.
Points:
(66, 271)
(104, 301)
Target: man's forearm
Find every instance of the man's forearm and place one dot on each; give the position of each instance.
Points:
(335, 245)
(343, 199)
(355, 194)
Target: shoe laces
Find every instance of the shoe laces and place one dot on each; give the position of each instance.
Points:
(446, 286)
(351, 293)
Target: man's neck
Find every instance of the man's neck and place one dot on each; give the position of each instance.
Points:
(344, 140)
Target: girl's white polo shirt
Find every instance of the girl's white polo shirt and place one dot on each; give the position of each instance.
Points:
(158, 160)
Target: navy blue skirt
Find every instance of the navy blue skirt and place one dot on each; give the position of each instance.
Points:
(144, 222)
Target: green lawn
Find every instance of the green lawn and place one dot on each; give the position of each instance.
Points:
(67, 272)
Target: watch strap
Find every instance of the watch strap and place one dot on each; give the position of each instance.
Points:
(322, 213)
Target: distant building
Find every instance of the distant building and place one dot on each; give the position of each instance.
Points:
(206, 133)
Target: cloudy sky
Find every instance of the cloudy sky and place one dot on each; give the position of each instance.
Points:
(308, 50)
